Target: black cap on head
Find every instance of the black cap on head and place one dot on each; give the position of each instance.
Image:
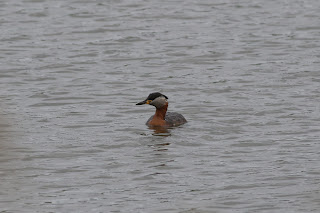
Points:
(155, 95)
(151, 97)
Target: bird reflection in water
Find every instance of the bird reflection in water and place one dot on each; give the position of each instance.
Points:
(160, 131)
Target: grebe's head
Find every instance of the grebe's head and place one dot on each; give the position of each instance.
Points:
(155, 99)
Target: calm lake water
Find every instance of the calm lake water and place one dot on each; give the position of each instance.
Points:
(245, 74)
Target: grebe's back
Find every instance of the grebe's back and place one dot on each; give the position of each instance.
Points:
(172, 119)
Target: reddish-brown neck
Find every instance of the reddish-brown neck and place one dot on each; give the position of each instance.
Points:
(159, 117)
(161, 112)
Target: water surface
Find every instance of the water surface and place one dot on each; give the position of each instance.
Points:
(245, 75)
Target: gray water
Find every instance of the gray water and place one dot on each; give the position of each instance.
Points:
(245, 74)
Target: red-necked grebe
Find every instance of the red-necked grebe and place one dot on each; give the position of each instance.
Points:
(161, 117)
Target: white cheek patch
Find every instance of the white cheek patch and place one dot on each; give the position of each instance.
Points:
(159, 102)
